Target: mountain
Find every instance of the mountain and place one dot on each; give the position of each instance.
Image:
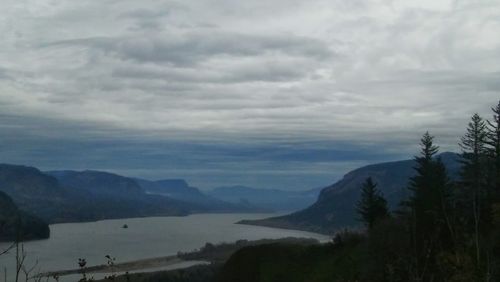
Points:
(175, 189)
(40, 194)
(71, 196)
(269, 199)
(98, 183)
(179, 189)
(335, 207)
(109, 195)
(17, 224)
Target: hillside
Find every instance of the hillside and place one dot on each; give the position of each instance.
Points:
(17, 224)
(335, 207)
(292, 262)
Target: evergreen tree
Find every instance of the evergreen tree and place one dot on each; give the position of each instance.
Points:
(474, 180)
(493, 140)
(372, 206)
(431, 226)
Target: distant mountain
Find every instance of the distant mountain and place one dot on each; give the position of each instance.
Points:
(71, 196)
(17, 224)
(98, 183)
(270, 199)
(179, 189)
(111, 195)
(40, 194)
(335, 207)
(173, 188)
(25, 181)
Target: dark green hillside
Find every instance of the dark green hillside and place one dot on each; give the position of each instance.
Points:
(18, 224)
(293, 263)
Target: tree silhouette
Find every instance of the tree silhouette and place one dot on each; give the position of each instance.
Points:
(493, 141)
(372, 206)
(430, 202)
(473, 173)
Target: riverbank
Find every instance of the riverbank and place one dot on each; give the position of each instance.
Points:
(143, 264)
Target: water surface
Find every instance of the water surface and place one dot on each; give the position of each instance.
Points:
(144, 238)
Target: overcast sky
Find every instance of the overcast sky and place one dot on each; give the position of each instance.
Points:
(273, 94)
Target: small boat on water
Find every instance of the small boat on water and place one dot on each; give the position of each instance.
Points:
(125, 226)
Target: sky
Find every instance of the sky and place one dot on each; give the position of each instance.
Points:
(270, 94)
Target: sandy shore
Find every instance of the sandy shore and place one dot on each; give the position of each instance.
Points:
(121, 267)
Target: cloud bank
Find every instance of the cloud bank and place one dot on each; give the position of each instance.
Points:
(267, 93)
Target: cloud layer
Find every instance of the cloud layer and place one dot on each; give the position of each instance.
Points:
(83, 84)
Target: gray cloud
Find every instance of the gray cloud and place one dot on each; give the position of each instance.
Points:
(249, 76)
(195, 47)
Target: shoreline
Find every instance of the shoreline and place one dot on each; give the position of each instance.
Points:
(123, 267)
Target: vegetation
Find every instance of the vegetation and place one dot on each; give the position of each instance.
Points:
(19, 225)
(372, 206)
(220, 253)
(337, 261)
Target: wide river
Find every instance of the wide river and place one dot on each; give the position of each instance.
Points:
(144, 238)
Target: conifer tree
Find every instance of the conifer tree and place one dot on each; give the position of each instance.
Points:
(473, 175)
(372, 206)
(493, 140)
(431, 226)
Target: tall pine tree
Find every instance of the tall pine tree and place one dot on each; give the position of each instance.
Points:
(493, 140)
(431, 226)
(474, 180)
(372, 206)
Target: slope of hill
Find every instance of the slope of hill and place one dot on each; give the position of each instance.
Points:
(269, 199)
(335, 207)
(17, 224)
(292, 263)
